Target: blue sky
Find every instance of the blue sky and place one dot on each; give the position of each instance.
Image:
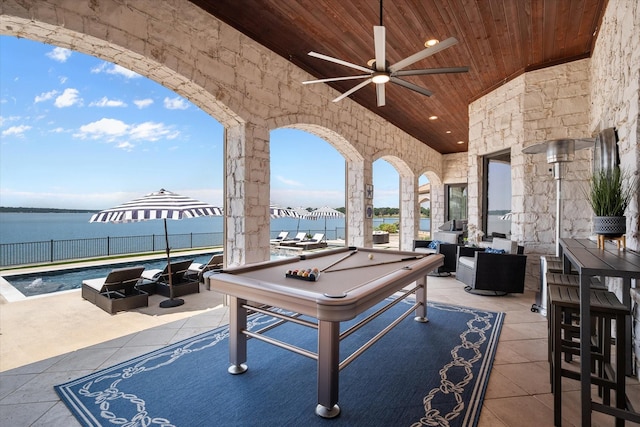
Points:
(79, 132)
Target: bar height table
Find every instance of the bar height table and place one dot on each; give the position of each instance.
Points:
(589, 260)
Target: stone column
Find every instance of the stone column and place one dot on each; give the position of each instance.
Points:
(409, 220)
(359, 229)
(247, 193)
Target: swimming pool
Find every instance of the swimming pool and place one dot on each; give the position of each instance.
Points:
(42, 283)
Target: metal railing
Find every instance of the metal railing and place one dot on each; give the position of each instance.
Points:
(50, 251)
(12, 254)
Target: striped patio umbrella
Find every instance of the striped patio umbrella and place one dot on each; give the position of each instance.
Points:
(278, 212)
(324, 212)
(302, 212)
(163, 205)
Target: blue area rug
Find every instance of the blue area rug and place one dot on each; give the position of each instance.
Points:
(419, 374)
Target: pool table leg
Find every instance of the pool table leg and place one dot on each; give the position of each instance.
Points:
(421, 296)
(328, 371)
(237, 340)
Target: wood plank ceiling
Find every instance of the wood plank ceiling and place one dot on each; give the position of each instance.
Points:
(498, 40)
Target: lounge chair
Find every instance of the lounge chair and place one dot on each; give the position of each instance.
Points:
(157, 281)
(486, 272)
(292, 242)
(317, 241)
(196, 270)
(442, 243)
(117, 291)
(282, 236)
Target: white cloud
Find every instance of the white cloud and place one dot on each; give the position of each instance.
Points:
(120, 133)
(176, 103)
(108, 68)
(125, 145)
(105, 102)
(45, 96)
(289, 181)
(151, 131)
(59, 54)
(68, 98)
(103, 128)
(16, 130)
(143, 103)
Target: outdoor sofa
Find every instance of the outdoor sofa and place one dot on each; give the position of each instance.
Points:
(117, 291)
(486, 272)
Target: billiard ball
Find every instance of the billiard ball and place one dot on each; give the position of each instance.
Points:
(370, 256)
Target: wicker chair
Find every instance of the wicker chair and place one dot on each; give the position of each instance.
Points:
(442, 243)
(486, 273)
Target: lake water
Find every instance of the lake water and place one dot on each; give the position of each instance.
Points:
(38, 227)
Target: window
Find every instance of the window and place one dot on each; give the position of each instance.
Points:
(456, 206)
(496, 206)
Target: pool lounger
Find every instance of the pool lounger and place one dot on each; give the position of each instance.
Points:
(117, 291)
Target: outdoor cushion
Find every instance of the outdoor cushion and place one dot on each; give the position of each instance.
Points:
(445, 237)
(494, 251)
(467, 261)
(509, 246)
(434, 244)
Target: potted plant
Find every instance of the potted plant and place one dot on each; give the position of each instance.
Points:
(609, 194)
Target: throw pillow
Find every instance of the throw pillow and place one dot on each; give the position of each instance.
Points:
(434, 244)
(494, 251)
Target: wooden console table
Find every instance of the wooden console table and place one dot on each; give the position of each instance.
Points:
(589, 260)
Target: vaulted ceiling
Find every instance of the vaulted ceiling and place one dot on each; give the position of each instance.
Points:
(497, 39)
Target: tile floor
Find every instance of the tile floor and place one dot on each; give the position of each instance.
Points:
(49, 340)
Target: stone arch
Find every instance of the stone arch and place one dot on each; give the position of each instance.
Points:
(409, 208)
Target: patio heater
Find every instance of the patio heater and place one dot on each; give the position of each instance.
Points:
(559, 151)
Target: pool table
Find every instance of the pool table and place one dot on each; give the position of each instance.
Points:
(349, 281)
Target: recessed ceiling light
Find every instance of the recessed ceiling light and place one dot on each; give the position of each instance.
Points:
(448, 131)
(431, 42)
(433, 118)
(460, 142)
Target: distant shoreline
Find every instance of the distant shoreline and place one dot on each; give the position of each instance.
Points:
(4, 209)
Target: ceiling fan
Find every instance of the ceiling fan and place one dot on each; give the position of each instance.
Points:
(381, 73)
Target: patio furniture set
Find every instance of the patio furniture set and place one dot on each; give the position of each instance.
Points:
(300, 241)
(495, 270)
(128, 288)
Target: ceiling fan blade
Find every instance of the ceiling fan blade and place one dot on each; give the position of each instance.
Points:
(432, 71)
(411, 86)
(336, 79)
(380, 94)
(339, 61)
(423, 54)
(350, 91)
(379, 40)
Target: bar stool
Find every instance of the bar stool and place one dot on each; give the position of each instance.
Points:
(604, 307)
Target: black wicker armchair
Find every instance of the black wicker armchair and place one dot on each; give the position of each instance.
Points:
(449, 250)
(486, 273)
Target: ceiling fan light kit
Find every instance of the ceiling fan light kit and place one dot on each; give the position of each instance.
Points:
(380, 73)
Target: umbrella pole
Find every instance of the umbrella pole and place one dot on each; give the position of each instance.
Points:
(171, 302)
